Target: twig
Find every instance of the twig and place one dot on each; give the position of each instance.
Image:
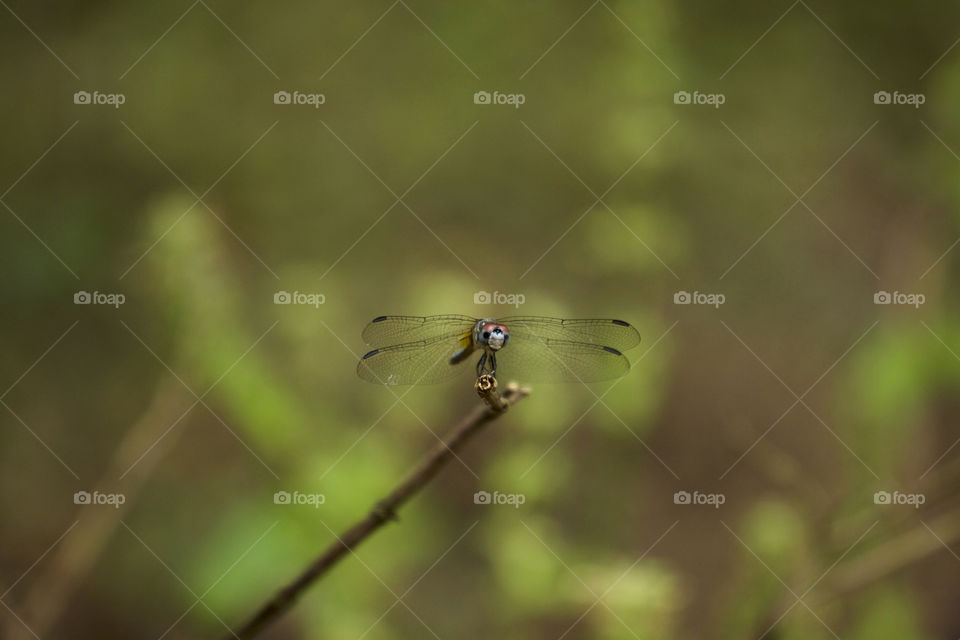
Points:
(385, 510)
(907, 549)
(57, 579)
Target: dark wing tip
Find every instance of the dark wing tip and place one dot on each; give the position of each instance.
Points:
(610, 349)
(621, 323)
(370, 354)
(379, 319)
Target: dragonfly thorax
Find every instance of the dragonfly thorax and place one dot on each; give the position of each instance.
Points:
(491, 335)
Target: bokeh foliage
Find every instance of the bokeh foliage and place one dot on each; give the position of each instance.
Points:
(291, 189)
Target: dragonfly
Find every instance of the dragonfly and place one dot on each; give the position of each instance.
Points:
(414, 350)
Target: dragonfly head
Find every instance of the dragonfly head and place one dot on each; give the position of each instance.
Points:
(493, 335)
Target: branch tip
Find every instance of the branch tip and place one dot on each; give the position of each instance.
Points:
(386, 510)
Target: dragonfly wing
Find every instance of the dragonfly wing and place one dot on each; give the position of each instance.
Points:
(552, 360)
(617, 334)
(401, 329)
(419, 362)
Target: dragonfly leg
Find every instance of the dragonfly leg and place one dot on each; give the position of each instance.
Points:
(487, 366)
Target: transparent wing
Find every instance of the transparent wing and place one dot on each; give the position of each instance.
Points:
(552, 360)
(419, 362)
(603, 332)
(386, 330)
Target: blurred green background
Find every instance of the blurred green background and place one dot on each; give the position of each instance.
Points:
(199, 198)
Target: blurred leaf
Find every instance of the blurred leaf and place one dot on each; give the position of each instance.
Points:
(888, 613)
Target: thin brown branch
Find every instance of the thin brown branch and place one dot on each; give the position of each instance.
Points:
(57, 580)
(907, 549)
(897, 554)
(385, 510)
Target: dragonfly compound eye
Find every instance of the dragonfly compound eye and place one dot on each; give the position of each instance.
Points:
(496, 339)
